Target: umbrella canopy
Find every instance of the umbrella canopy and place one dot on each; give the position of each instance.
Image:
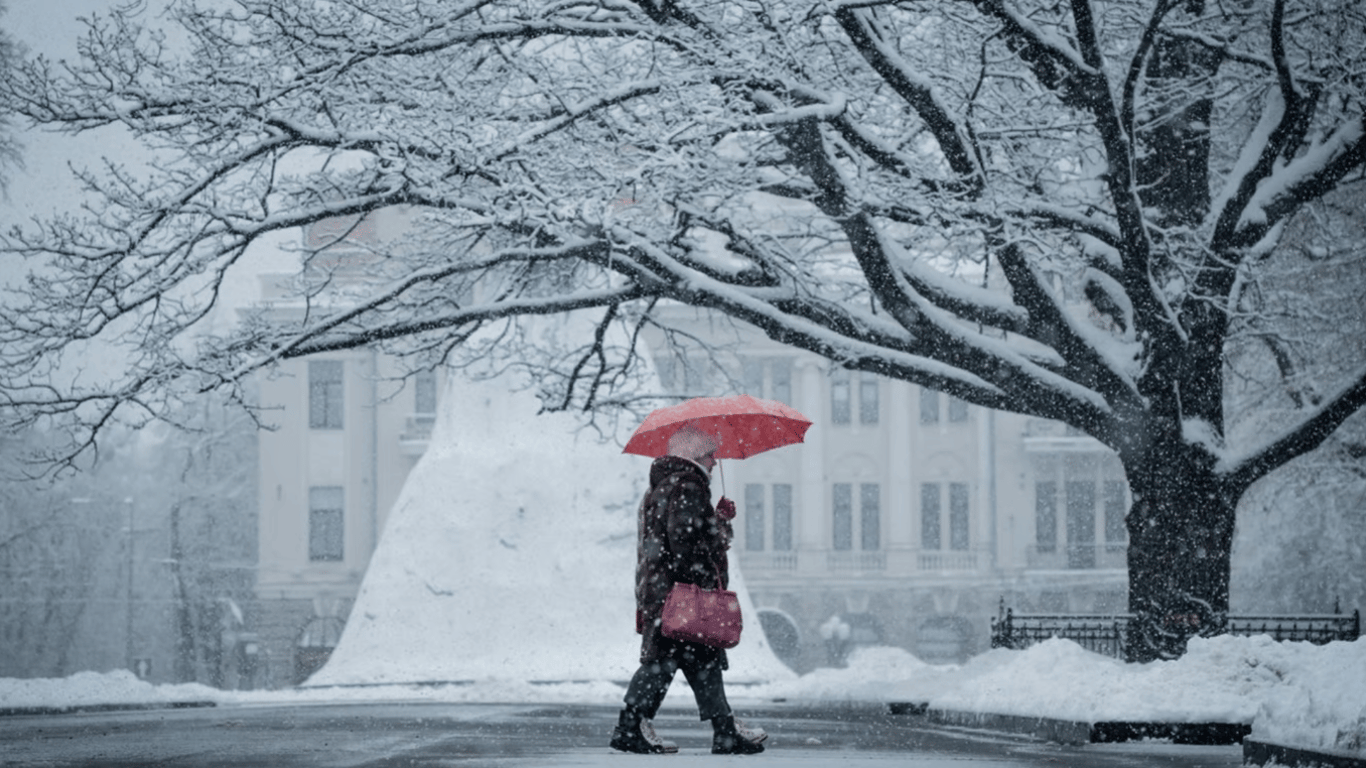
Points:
(743, 426)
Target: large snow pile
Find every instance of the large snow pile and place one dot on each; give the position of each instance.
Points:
(1297, 694)
(1320, 697)
(510, 554)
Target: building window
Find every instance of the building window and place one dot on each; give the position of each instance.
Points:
(752, 375)
(1081, 524)
(958, 409)
(870, 522)
(842, 515)
(328, 232)
(776, 386)
(325, 394)
(326, 523)
(929, 516)
(867, 399)
(781, 371)
(424, 392)
(782, 517)
(1046, 516)
(839, 396)
(667, 368)
(754, 517)
(958, 516)
(1116, 533)
(680, 375)
(758, 525)
(929, 406)
(869, 533)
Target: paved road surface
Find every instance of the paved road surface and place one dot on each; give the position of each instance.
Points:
(510, 736)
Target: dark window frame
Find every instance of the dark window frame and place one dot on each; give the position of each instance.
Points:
(929, 406)
(424, 391)
(782, 517)
(326, 394)
(326, 523)
(754, 517)
(931, 527)
(842, 517)
(960, 518)
(1046, 516)
(841, 397)
(869, 406)
(870, 516)
(958, 410)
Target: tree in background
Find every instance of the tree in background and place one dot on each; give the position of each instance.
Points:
(10, 56)
(61, 558)
(211, 508)
(149, 554)
(1072, 210)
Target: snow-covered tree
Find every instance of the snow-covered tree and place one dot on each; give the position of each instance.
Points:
(1070, 209)
(9, 147)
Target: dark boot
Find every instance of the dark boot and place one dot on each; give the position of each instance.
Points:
(637, 734)
(729, 739)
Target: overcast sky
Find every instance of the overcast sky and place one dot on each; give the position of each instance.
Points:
(44, 186)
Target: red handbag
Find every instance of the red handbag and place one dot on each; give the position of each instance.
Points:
(697, 615)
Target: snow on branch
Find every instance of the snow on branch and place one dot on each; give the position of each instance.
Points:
(1312, 173)
(574, 112)
(1092, 360)
(1242, 468)
(871, 41)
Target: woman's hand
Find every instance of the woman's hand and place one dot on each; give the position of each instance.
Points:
(725, 508)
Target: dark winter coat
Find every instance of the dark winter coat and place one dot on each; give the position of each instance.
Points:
(681, 538)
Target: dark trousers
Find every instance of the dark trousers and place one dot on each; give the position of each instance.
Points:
(702, 668)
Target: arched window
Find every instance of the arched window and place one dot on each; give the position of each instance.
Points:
(314, 646)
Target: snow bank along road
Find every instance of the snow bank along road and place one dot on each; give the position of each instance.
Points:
(389, 734)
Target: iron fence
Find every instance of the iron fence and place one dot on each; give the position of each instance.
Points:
(1107, 633)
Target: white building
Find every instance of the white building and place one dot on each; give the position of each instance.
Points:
(345, 430)
(905, 519)
(908, 516)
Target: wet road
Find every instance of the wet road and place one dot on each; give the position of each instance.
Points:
(507, 736)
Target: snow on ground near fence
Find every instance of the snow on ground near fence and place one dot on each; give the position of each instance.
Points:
(1294, 694)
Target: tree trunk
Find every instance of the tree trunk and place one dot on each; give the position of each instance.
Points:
(1180, 542)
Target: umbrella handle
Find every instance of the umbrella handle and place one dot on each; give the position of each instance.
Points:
(723, 476)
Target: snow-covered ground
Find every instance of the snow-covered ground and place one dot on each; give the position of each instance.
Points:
(1294, 694)
(508, 561)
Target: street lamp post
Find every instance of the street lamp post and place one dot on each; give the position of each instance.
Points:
(128, 629)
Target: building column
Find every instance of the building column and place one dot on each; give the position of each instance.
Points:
(812, 533)
(900, 500)
(987, 516)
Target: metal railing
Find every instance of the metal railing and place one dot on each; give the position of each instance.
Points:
(946, 560)
(869, 560)
(1107, 634)
(768, 561)
(1103, 555)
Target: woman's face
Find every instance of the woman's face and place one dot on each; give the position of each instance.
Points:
(708, 459)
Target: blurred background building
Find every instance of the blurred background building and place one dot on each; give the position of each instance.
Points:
(906, 518)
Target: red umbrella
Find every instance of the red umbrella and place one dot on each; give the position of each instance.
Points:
(743, 426)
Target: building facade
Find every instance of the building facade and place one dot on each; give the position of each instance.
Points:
(343, 431)
(907, 518)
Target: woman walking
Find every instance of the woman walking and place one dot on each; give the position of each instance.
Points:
(682, 538)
